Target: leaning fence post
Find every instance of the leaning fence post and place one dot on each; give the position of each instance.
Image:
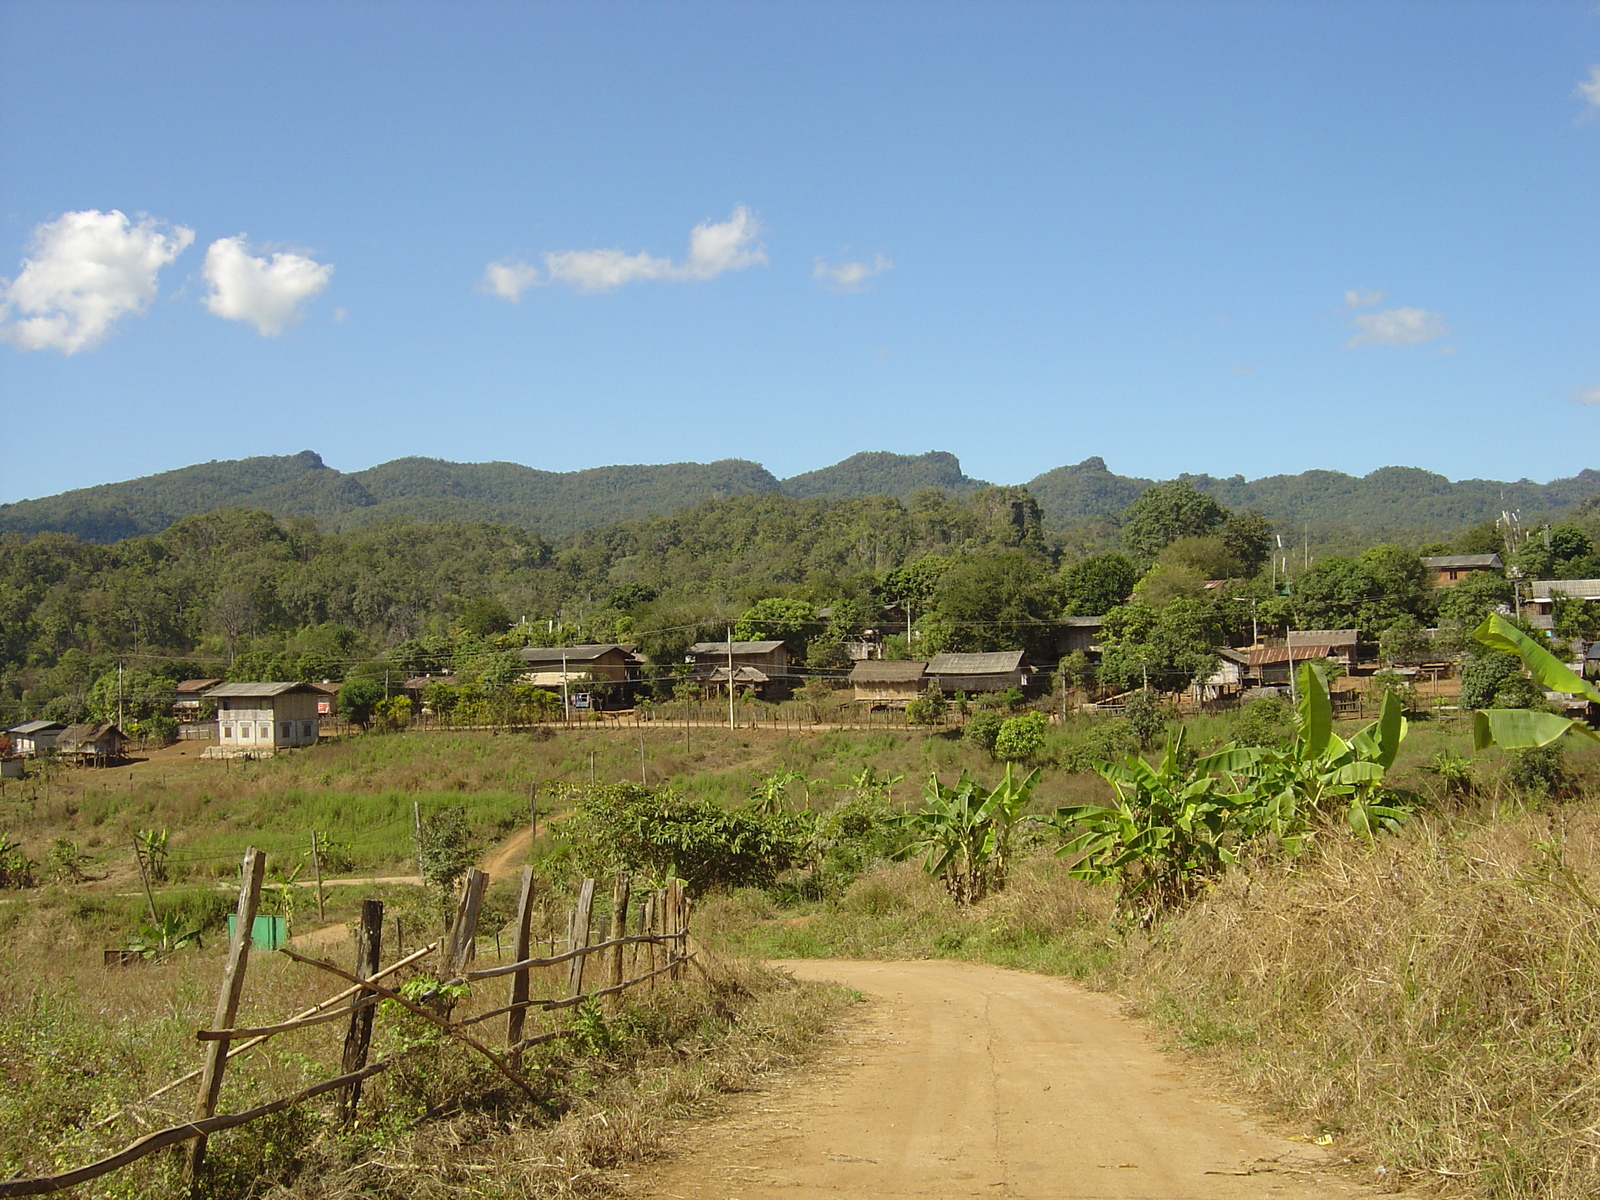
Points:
(520, 953)
(674, 927)
(580, 937)
(464, 933)
(619, 929)
(357, 1040)
(254, 867)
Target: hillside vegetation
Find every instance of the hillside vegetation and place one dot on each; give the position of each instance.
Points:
(1329, 509)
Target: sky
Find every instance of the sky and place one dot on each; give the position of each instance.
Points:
(1226, 238)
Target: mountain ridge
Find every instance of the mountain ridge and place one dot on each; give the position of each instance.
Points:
(1396, 502)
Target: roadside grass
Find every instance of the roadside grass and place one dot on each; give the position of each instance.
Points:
(79, 1044)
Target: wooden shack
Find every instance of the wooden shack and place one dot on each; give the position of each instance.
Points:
(763, 667)
(883, 683)
(92, 745)
(994, 672)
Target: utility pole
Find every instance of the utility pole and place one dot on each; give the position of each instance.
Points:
(316, 865)
(643, 781)
(566, 704)
(119, 693)
(730, 677)
(416, 829)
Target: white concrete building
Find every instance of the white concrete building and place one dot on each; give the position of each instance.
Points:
(265, 717)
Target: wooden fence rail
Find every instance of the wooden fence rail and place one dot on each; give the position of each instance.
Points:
(661, 934)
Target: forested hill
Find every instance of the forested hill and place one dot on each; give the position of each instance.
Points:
(879, 473)
(1396, 503)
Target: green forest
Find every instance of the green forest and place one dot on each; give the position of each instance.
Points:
(1321, 511)
(245, 594)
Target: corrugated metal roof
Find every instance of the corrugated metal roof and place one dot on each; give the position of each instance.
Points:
(279, 688)
(1323, 637)
(738, 647)
(740, 674)
(28, 728)
(877, 670)
(571, 654)
(1577, 589)
(1082, 622)
(998, 663)
(1266, 655)
(195, 685)
(1446, 562)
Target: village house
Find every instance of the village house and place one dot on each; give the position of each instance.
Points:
(885, 683)
(1077, 635)
(188, 697)
(92, 745)
(993, 672)
(1270, 664)
(763, 667)
(262, 718)
(1540, 607)
(603, 662)
(32, 738)
(1450, 569)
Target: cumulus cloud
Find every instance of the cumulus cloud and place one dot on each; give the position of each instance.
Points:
(1356, 298)
(1590, 91)
(1589, 394)
(715, 247)
(849, 276)
(84, 271)
(265, 292)
(1397, 327)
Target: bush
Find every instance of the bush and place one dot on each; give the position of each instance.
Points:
(983, 728)
(928, 708)
(662, 833)
(1146, 716)
(1540, 772)
(1457, 774)
(1020, 738)
(1263, 722)
(1109, 740)
(1484, 674)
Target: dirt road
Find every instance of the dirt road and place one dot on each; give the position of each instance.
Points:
(965, 1080)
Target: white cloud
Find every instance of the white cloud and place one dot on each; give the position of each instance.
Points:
(715, 247)
(1356, 298)
(84, 271)
(265, 292)
(1587, 395)
(1398, 327)
(1590, 90)
(849, 276)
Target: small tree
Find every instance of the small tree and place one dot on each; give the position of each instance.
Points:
(927, 709)
(446, 850)
(358, 699)
(1021, 738)
(1146, 716)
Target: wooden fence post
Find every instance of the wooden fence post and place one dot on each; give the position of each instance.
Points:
(579, 936)
(316, 863)
(369, 947)
(521, 950)
(463, 934)
(619, 928)
(254, 867)
(674, 925)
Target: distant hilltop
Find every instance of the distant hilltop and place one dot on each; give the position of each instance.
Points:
(1392, 502)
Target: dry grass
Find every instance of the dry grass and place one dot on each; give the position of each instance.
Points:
(1434, 1002)
(78, 1044)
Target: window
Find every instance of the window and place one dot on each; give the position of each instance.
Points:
(227, 733)
(266, 732)
(288, 730)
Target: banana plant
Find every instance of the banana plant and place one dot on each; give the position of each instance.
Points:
(1172, 826)
(1319, 773)
(1521, 728)
(966, 830)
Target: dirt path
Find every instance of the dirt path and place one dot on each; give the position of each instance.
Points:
(507, 858)
(965, 1080)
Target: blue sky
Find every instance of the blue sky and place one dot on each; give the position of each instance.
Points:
(1249, 238)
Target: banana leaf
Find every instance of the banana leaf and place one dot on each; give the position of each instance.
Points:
(1547, 670)
(1316, 710)
(1522, 728)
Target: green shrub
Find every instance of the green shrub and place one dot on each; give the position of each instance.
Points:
(983, 728)
(1146, 716)
(1263, 722)
(1484, 674)
(928, 708)
(1540, 772)
(1105, 740)
(1020, 738)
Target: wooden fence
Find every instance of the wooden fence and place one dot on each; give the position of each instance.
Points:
(657, 947)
